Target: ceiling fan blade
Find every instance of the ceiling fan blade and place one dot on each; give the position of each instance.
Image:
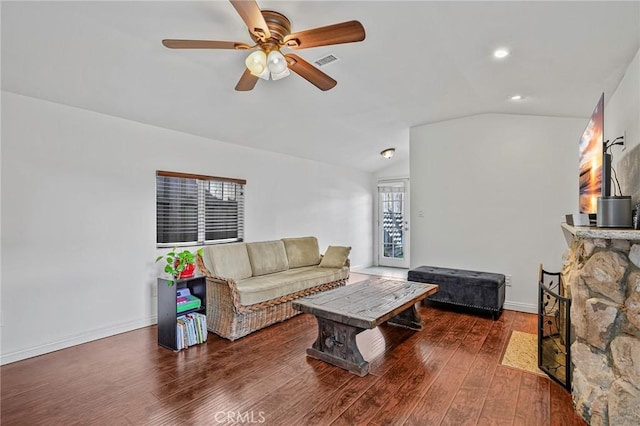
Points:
(247, 82)
(310, 73)
(345, 32)
(252, 16)
(204, 44)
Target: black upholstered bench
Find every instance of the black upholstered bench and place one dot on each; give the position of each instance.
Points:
(472, 289)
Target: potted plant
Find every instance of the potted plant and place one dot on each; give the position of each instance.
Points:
(179, 264)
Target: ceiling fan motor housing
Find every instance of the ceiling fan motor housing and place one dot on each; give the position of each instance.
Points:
(279, 26)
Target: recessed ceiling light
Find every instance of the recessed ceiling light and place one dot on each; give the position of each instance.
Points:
(500, 53)
(517, 98)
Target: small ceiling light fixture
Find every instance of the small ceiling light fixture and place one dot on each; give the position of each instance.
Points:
(262, 65)
(516, 97)
(500, 53)
(388, 153)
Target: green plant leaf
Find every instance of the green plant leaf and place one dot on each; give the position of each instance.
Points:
(178, 261)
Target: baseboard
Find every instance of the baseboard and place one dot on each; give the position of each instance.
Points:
(353, 267)
(78, 339)
(521, 307)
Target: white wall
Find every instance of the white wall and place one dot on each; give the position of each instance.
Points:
(78, 216)
(488, 193)
(622, 111)
(395, 169)
(622, 117)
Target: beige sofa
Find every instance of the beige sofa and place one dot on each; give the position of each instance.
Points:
(251, 285)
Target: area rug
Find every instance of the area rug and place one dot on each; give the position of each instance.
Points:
(522, 352)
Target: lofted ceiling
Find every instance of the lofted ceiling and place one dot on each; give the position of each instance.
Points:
(421, 62)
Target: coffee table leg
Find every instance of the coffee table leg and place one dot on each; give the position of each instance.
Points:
(408, 318)
(336, 344)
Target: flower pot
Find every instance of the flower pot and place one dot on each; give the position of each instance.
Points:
(188, 271)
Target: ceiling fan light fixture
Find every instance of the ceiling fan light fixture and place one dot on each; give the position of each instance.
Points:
(276, 63)
(264, 75)
(270, 31)
(256, 62)
(278, 76)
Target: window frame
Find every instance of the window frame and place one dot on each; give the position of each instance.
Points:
(202, 230)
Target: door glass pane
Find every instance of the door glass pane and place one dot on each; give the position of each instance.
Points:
(393, 224)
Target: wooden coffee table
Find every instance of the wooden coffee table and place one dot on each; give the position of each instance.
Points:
(344, 312)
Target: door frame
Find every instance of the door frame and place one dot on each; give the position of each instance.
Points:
(406, 261)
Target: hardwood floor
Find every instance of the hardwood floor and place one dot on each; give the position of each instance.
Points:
(448, 374)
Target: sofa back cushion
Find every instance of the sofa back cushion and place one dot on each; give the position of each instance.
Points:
(267, 257)
(302, 251)
(228, 260)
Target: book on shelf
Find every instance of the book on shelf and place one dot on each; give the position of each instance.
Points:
(191, 330)
(179, 335)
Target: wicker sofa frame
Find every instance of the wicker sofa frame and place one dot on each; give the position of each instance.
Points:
(228, 318)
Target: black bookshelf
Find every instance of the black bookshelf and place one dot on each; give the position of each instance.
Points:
(168, 309)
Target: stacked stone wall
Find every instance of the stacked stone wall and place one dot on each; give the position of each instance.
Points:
(603, 279)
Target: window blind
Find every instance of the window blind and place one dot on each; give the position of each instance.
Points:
(196, 209)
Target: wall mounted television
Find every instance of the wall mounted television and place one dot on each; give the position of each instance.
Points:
(591, 153)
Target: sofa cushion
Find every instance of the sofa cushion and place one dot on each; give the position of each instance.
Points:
(267, 257)
(335, 257)
(228, 260)
(260, 289)
(302, 251)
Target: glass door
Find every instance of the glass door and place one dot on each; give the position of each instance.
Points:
(393, 224)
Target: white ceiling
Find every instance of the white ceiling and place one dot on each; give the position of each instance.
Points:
(421, 62)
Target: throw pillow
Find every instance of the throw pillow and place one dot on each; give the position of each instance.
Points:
(335, 257)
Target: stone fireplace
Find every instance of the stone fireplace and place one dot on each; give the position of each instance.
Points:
(602, 276)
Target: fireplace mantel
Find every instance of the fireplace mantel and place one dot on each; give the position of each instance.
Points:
(604, 233)
(601, 274)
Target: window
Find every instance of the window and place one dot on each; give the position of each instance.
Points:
(196, 209)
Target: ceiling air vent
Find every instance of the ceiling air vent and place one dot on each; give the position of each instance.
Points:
(326, 60)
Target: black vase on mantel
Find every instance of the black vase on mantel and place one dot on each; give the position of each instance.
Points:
(614, 211)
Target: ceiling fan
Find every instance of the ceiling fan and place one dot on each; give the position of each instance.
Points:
(271, 31)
